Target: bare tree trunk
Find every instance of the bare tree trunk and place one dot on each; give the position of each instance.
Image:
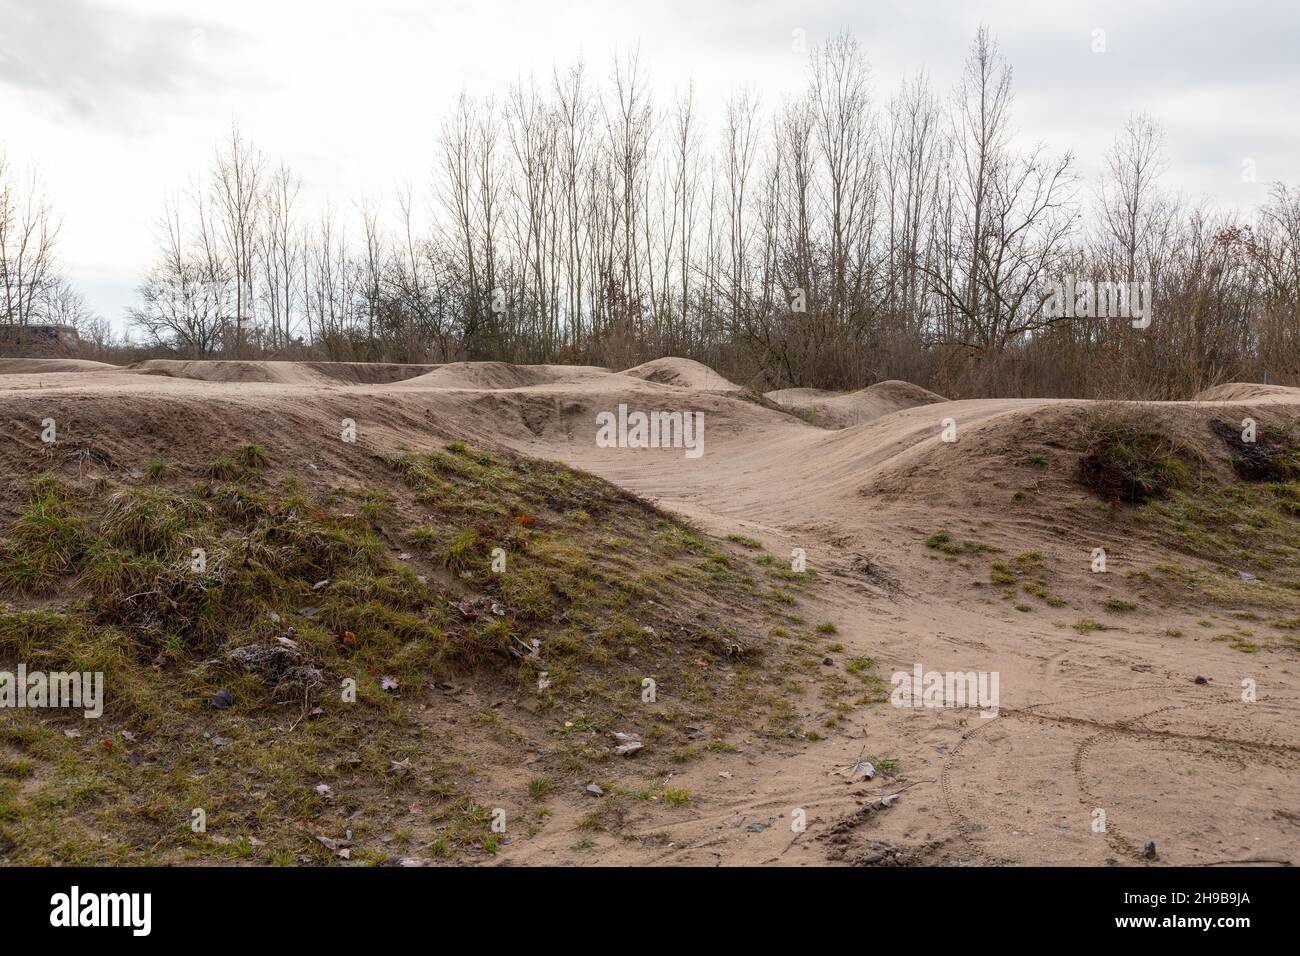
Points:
(237, 194)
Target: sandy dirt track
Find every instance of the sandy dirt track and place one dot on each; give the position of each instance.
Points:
(1112, 719)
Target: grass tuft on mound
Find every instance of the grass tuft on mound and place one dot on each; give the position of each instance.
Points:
(1130, 456)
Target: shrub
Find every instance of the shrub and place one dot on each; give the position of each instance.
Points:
(1129, 456)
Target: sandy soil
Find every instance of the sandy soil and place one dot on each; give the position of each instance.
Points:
(1111, 719)
(842, 409)
(27, 366)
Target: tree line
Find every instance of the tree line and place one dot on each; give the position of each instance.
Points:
(832, 240)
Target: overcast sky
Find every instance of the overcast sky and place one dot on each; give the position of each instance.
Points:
(121, 101)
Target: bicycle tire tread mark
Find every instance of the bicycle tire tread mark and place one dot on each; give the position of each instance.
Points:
(1115, 837)
(966, 826)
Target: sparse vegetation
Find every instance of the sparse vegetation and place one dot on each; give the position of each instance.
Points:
(294, 593)
(943, 541)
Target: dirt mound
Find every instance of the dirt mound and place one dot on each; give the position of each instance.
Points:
(374, 562)
(501, 375)
(1245, 392)
(682, 373)
(1025, 455)
(842, 409)
(282, 373)
(38, 366)
(904, 393)
(368, 373)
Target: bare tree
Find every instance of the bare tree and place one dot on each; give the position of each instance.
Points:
(840, 99)
(1013, 214)
(629, 126)
(237, 198)
(422, 290)
(28, 231)
(369, 270)
(533, 219)
(327, 286)
(684, 177)
(469, 193)
(574, 135)
(913, 156)
(278, 251)
(1277, 250)
(740, 152)
(1131, 206)
(187, 296)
